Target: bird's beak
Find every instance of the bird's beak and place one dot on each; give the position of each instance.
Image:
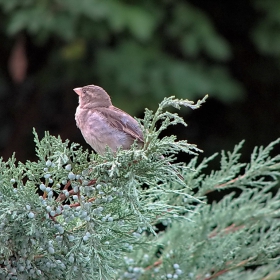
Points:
(78, 90)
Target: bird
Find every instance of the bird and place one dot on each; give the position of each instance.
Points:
(104, 125)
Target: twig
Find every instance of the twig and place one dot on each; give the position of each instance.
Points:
(62, 196)
(221, 272)
(229, 229)
(157, 263)
(225, 184)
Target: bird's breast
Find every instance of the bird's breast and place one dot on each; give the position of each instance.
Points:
(98, 133)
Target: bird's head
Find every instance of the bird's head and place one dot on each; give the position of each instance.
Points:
(92, 96)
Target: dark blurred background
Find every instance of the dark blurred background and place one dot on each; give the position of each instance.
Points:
(140, 52)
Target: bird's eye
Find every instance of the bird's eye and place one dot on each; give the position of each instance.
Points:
(84, 91)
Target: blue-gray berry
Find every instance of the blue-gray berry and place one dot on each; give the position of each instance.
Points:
(31, 215)
(68, 167)
(71, 176)
(42, 187)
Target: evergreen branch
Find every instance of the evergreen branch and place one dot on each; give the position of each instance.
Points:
(221, 272)
(222, 186)
(73, 214)
(272, 276)
(260, 167)
(93, 205)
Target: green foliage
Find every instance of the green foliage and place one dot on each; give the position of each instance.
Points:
(156, 74)
(201, 35)
(74, 214)
(60, 17)
(234, 238)
(142, 52)
(266, 34)
(93, 208)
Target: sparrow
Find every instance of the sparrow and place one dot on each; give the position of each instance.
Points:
(103, 124)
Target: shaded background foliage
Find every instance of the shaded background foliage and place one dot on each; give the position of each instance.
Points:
(140, 52)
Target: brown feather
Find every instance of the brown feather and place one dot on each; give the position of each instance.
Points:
(121, 121)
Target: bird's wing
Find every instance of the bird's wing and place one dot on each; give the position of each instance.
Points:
(121, 121)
